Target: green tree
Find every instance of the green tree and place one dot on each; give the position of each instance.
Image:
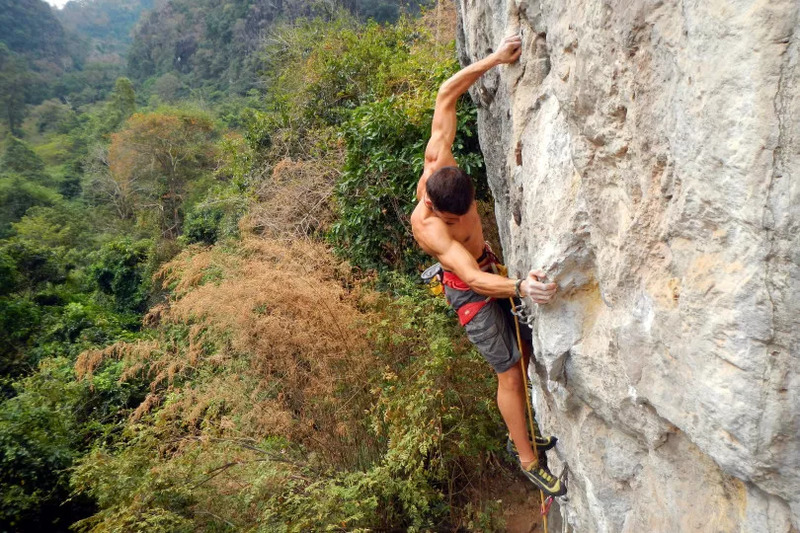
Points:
(61, 227)
(121, 105)
(119, 269)
(168, 87)
(14, 78)
(17, 195)
(158, 158)
(93, 83)
(23, 183)
(49, 423)
(52, 115)
(20, 159)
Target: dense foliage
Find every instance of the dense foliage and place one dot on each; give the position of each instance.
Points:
(106, 23)
(186, 344)
(383, 424)
(211, 46)
(376, 86)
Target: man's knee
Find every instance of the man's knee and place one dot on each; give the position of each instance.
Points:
(511, 379)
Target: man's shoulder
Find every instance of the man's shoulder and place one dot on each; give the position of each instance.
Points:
(430, 232)
(422, 220)
(416, 214)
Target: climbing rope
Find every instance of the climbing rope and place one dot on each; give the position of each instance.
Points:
(545, 505)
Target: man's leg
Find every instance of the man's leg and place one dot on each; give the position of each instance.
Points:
(527, 349)
(511, 401)
(543, 443)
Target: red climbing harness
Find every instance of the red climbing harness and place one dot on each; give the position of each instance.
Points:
(486, 262)
(468, 311)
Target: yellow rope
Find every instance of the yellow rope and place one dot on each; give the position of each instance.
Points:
(528, 404)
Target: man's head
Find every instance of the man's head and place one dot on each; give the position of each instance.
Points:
(450, 191)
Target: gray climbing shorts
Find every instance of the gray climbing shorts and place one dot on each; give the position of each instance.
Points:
(493, 333)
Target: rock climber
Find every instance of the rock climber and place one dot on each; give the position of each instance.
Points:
(446, 225)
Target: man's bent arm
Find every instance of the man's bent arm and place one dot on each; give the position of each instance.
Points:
(457, 259)
(443, 127)
(453, 256)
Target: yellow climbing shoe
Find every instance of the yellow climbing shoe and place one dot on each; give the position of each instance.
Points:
(542, 445)
(543, 479)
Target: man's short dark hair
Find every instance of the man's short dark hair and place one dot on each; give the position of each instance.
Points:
(450, 190)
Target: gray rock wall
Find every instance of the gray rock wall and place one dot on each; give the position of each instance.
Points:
(646, 154)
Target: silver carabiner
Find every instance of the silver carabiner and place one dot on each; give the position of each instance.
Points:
(522, 312)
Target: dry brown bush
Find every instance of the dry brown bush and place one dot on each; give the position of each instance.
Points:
(279, 342)
(295, 200)
(442, 21)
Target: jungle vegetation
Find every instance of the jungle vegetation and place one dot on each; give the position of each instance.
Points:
(209, 311)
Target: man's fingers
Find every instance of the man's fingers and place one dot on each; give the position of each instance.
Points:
(539, 291)
(514, 42)
(541, 297)
(541, 294)
(510, 49)
(536, 277)
(537, 274)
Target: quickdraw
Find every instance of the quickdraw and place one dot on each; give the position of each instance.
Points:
(522, 313)
(549, 500)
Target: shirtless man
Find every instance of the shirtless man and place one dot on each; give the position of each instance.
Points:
(446, 225)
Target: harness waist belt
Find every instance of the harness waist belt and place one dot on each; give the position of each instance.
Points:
(467, 311)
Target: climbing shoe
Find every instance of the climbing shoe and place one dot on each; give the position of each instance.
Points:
(541, 442)
(544, 480)
(542, 445)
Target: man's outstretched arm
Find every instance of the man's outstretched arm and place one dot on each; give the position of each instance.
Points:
(438, 153)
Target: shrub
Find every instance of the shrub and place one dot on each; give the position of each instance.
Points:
(274, 406)
(377, 86)
(119, 271)
(43, 429)
(215, 218)
(202, 225)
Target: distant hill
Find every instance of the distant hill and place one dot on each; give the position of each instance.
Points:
(74, 54)
(29, 28)
(106, 24)
(210, 43)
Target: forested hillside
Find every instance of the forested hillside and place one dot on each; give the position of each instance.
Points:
(209, 314)
(106, 24)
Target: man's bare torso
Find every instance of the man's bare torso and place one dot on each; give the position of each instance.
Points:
(427, 227)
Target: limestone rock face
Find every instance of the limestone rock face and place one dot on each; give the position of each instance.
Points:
(646, 154)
